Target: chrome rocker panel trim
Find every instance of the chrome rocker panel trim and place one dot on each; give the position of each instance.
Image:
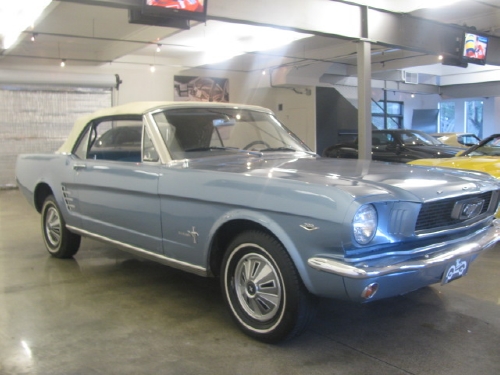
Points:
(174, 263)
(483, 241)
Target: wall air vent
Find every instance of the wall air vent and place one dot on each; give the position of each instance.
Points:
(411, 78)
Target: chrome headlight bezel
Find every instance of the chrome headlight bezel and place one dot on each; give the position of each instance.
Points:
(365, 224)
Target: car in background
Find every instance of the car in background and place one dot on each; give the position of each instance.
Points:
(396, 145)
(225, 190)
(483, 157)
(464, 140)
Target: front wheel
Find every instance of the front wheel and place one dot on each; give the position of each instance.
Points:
(263, 289)
(59, 241)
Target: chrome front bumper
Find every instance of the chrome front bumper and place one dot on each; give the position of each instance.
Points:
(446, 252)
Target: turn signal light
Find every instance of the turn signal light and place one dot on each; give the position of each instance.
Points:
(369, 291)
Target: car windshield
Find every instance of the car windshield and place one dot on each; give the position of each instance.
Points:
(201, 132)
(490, 148)
(416, 138)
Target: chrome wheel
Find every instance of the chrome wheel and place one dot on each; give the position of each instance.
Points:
(262, 288)
(59, 241)
(53, 227)
(258, 287)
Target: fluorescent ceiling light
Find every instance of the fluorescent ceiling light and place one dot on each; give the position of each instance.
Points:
(220, 41)
(16, 16)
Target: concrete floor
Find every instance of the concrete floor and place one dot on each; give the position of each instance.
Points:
(105, 312)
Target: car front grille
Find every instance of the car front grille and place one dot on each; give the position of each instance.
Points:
(435, 215)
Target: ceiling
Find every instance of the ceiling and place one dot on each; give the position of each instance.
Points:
(93, 35)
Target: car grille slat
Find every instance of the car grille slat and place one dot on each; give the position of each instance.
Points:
(434, 215)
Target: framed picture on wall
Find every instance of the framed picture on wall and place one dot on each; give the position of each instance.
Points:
(201, 89)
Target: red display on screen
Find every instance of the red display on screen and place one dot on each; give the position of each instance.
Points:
(196, 6)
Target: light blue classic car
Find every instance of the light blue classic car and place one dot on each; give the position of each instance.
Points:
(224, 190)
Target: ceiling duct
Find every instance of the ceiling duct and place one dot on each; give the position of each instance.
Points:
(411, 78)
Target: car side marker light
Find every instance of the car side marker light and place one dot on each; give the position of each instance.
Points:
(369, 291)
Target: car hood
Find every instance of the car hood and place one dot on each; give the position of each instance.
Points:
(356, 178)
(488, 164)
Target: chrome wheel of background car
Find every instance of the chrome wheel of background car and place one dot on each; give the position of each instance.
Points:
(59, 241)
(263, 289)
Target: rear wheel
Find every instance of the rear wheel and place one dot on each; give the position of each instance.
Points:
(263, 290)
(59, 241)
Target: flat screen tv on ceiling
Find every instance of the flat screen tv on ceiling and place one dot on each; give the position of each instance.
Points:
(475, 48)
(188, 9)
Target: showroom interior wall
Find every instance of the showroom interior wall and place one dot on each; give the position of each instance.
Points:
(38, 111)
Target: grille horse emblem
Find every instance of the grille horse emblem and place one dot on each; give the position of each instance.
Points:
(467, 209)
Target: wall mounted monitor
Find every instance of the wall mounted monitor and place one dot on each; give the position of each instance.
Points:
(188, 9)
(475, 48)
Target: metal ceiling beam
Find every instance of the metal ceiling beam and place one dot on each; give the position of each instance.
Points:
(122, 4)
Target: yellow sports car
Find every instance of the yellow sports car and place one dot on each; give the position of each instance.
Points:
(483, 157)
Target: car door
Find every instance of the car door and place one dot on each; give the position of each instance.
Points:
(385, 147)
(116, 182)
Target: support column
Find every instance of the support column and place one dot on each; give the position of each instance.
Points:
(364, 90)
(364, 100)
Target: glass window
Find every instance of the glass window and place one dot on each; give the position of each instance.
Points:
(118, 140)
(446, 117)
(149, 151)
(198, 132)
(394, 116)
(474, 117)
(81, 149)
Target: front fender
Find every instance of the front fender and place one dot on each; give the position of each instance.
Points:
(267, 221)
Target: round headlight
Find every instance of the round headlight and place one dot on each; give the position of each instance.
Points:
(364, 224)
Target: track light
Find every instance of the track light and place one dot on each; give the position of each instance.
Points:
(152, 68)
(63, 63)
(33, 37)
(158, 47)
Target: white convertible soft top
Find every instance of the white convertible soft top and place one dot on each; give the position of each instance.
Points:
(138, 108)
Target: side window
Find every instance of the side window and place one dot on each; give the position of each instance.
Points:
(116, 139)
(81, 149)
(149, 151)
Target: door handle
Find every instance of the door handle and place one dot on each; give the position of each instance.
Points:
(78, 167)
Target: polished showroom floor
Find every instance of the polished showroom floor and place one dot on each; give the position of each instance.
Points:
(105, 312)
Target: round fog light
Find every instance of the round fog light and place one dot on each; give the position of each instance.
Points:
(369, 291)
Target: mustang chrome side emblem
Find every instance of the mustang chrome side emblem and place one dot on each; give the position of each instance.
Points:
(309, 227)
(191, 233)
(467, 209)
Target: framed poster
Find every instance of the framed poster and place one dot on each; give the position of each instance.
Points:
(201, 89)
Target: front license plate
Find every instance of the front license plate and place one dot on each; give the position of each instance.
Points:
(455, 270)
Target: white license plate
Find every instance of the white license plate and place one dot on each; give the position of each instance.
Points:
(455, 270)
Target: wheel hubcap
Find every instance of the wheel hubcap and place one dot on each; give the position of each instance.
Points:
(258, 287)
(53, 227)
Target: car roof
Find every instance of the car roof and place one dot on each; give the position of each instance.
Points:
(139, 109)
